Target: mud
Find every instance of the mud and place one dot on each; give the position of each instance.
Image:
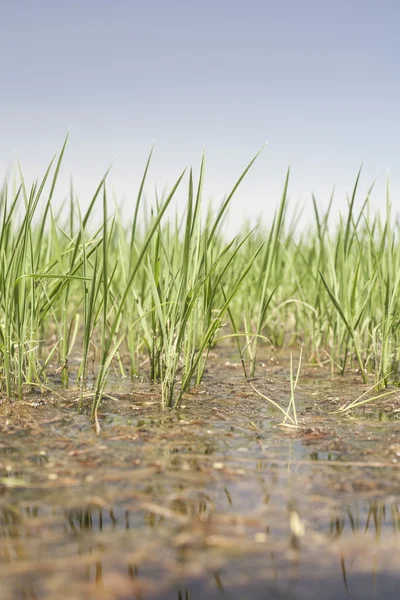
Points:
(216, 500)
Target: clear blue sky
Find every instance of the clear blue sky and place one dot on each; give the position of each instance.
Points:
(318, 80)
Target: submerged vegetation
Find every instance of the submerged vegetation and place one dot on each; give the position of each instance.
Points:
(146, 293)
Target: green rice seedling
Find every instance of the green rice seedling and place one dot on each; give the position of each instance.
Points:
(211, 332)
(41, 263)
(385, 261)
(188, 308)
(293, 385)
(19, 298)
(364, 294)
(347, 291)
(268, 272)
(128, 245)
(289, 414)
(109, 345)
(361, 400)
(154, 295)
(351, 322)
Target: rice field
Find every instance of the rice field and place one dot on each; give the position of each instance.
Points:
(127, 312)
(151, 292)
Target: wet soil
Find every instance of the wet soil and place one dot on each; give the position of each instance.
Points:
(216, 500)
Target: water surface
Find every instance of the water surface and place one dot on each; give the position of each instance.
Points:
(214, 501)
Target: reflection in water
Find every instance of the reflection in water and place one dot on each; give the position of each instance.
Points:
(199, 509)
(377, 516)
(18, 531)
(373, 516)
(323, 456)
(90, 520)
(218, 581)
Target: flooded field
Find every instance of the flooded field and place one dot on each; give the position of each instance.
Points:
(212, 501)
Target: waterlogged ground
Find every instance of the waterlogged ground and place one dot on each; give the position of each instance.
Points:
(214, 501)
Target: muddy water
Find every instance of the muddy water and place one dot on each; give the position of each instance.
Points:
(214, 501)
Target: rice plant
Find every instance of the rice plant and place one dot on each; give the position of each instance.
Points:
(149, 292)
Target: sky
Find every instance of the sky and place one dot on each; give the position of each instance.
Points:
(314, 80)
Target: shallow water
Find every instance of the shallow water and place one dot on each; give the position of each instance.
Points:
(213, 501)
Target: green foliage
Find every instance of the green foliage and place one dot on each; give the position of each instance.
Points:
(143, 293)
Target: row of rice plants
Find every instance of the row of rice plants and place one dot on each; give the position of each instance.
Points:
(162, 287)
